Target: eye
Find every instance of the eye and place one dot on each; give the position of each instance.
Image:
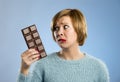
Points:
(66, 26)
(56, 28)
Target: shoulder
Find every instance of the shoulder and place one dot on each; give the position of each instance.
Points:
(95, 60)
(99, 64)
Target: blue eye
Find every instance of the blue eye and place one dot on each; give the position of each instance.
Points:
(66, 26)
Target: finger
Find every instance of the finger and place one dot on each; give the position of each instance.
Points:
(26, 53)
(29, 52)
(36, 59)
(34, 56)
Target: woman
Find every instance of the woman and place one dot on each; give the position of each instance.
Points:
(69, 64)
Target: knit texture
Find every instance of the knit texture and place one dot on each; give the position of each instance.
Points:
(55, 69)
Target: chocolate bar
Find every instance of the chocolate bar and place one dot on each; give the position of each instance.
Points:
(33, 39)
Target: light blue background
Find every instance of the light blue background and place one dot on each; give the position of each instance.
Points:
(103, 19)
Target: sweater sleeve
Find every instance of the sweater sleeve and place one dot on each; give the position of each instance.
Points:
(35, 75)
(104, 74)
(31, 77)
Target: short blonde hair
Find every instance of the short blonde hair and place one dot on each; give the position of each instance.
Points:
(78, 21)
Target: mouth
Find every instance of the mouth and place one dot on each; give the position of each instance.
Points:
(61, 40)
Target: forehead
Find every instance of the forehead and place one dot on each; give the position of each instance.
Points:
(63, 20)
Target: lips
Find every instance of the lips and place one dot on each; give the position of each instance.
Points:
(61, 40)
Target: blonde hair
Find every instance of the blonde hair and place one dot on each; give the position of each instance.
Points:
(78, 21)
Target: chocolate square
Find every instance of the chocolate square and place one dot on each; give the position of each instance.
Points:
(38, 41)
(29, 37)
(40, 48)
(33, 28)
(25, 31)
(31, 44)
(43, 54)
(35, 35)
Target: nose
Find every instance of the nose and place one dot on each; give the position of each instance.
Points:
(59, 32)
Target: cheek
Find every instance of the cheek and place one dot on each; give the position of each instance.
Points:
(73, 36)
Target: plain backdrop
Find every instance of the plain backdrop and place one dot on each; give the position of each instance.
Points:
(103, 21)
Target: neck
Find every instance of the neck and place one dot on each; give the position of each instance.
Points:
(71, 53)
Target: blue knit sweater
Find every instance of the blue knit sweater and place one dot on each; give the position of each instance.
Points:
(55, 69)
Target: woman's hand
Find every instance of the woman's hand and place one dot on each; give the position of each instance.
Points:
(28, 57)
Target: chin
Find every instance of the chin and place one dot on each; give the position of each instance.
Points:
(64, 46)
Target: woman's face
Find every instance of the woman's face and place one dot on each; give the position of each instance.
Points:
(64, 33)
